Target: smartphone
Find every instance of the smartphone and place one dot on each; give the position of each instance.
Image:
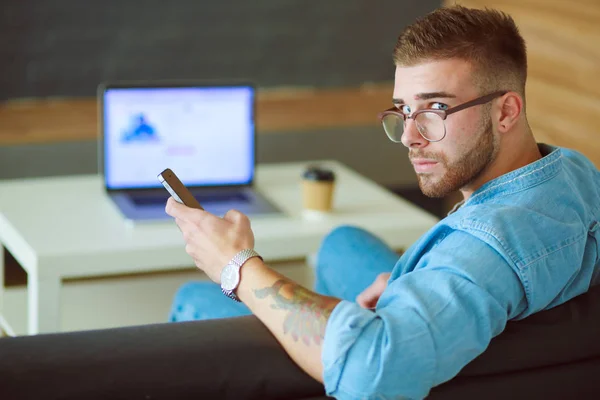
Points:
(177, 189)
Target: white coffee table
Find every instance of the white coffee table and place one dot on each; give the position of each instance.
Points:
(65, 227)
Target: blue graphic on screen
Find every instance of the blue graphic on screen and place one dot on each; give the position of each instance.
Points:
(204, 134)
(140, 131)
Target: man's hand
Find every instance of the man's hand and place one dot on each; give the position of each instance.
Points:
(369, 297)
(295, 315)
(211, 241)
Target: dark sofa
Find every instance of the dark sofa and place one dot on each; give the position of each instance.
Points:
(554, 354)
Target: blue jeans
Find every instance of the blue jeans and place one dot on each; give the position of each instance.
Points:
(349, 259)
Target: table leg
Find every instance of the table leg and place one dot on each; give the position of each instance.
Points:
(1, 278)
(3, 328)
(44, 304)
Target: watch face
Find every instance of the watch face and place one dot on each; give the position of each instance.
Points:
(230, 277)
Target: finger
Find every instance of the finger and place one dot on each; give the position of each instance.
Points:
(189, 229)
(178, 227)
(236, 218)
(184, 225)
(368, 298)
(384, 277)
(174, 208)
(189, 249)
(184, 228)
(232, 216)
(368, 304)
(183, 212)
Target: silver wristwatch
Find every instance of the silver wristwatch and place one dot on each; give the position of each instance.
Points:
(230, 275)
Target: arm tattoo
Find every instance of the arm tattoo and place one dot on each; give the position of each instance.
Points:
(307, 312)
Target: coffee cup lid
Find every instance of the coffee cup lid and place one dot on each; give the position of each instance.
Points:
(316, 173)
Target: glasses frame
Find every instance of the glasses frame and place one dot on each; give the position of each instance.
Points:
(443, 114)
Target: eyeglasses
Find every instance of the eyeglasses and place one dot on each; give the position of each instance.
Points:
(430, 122)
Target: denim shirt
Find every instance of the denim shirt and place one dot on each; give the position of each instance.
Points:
(523, 242)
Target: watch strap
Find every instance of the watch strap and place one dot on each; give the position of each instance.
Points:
(231, 295)
(240, 259)
(244, 255)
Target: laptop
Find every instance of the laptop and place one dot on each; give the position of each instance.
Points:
(205, 132)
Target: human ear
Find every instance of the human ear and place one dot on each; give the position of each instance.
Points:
(509, 111)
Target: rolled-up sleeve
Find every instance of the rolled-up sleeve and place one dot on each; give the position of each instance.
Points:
(428, 324)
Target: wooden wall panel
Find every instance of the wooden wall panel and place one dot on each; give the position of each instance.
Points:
(33, 121)
(563, 89)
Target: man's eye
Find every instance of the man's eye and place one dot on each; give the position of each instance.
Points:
(405, 109)
(439, 106)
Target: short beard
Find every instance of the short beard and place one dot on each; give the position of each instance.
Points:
(465, 170)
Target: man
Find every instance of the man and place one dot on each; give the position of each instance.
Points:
(524, 239)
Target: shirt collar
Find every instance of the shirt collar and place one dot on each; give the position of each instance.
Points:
(519, 179)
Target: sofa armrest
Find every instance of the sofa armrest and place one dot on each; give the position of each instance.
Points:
(217, 359)
(564, 334)
(553, 354)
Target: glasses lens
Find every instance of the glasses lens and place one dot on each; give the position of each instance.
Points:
(393, 126)
(431, 126)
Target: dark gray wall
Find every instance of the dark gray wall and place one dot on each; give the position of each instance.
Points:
(66, 47)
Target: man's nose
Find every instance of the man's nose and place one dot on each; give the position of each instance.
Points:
(411, 137)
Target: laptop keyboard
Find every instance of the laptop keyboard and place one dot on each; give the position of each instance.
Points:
(204, 198)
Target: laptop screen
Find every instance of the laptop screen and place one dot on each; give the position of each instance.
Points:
(205, 134)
